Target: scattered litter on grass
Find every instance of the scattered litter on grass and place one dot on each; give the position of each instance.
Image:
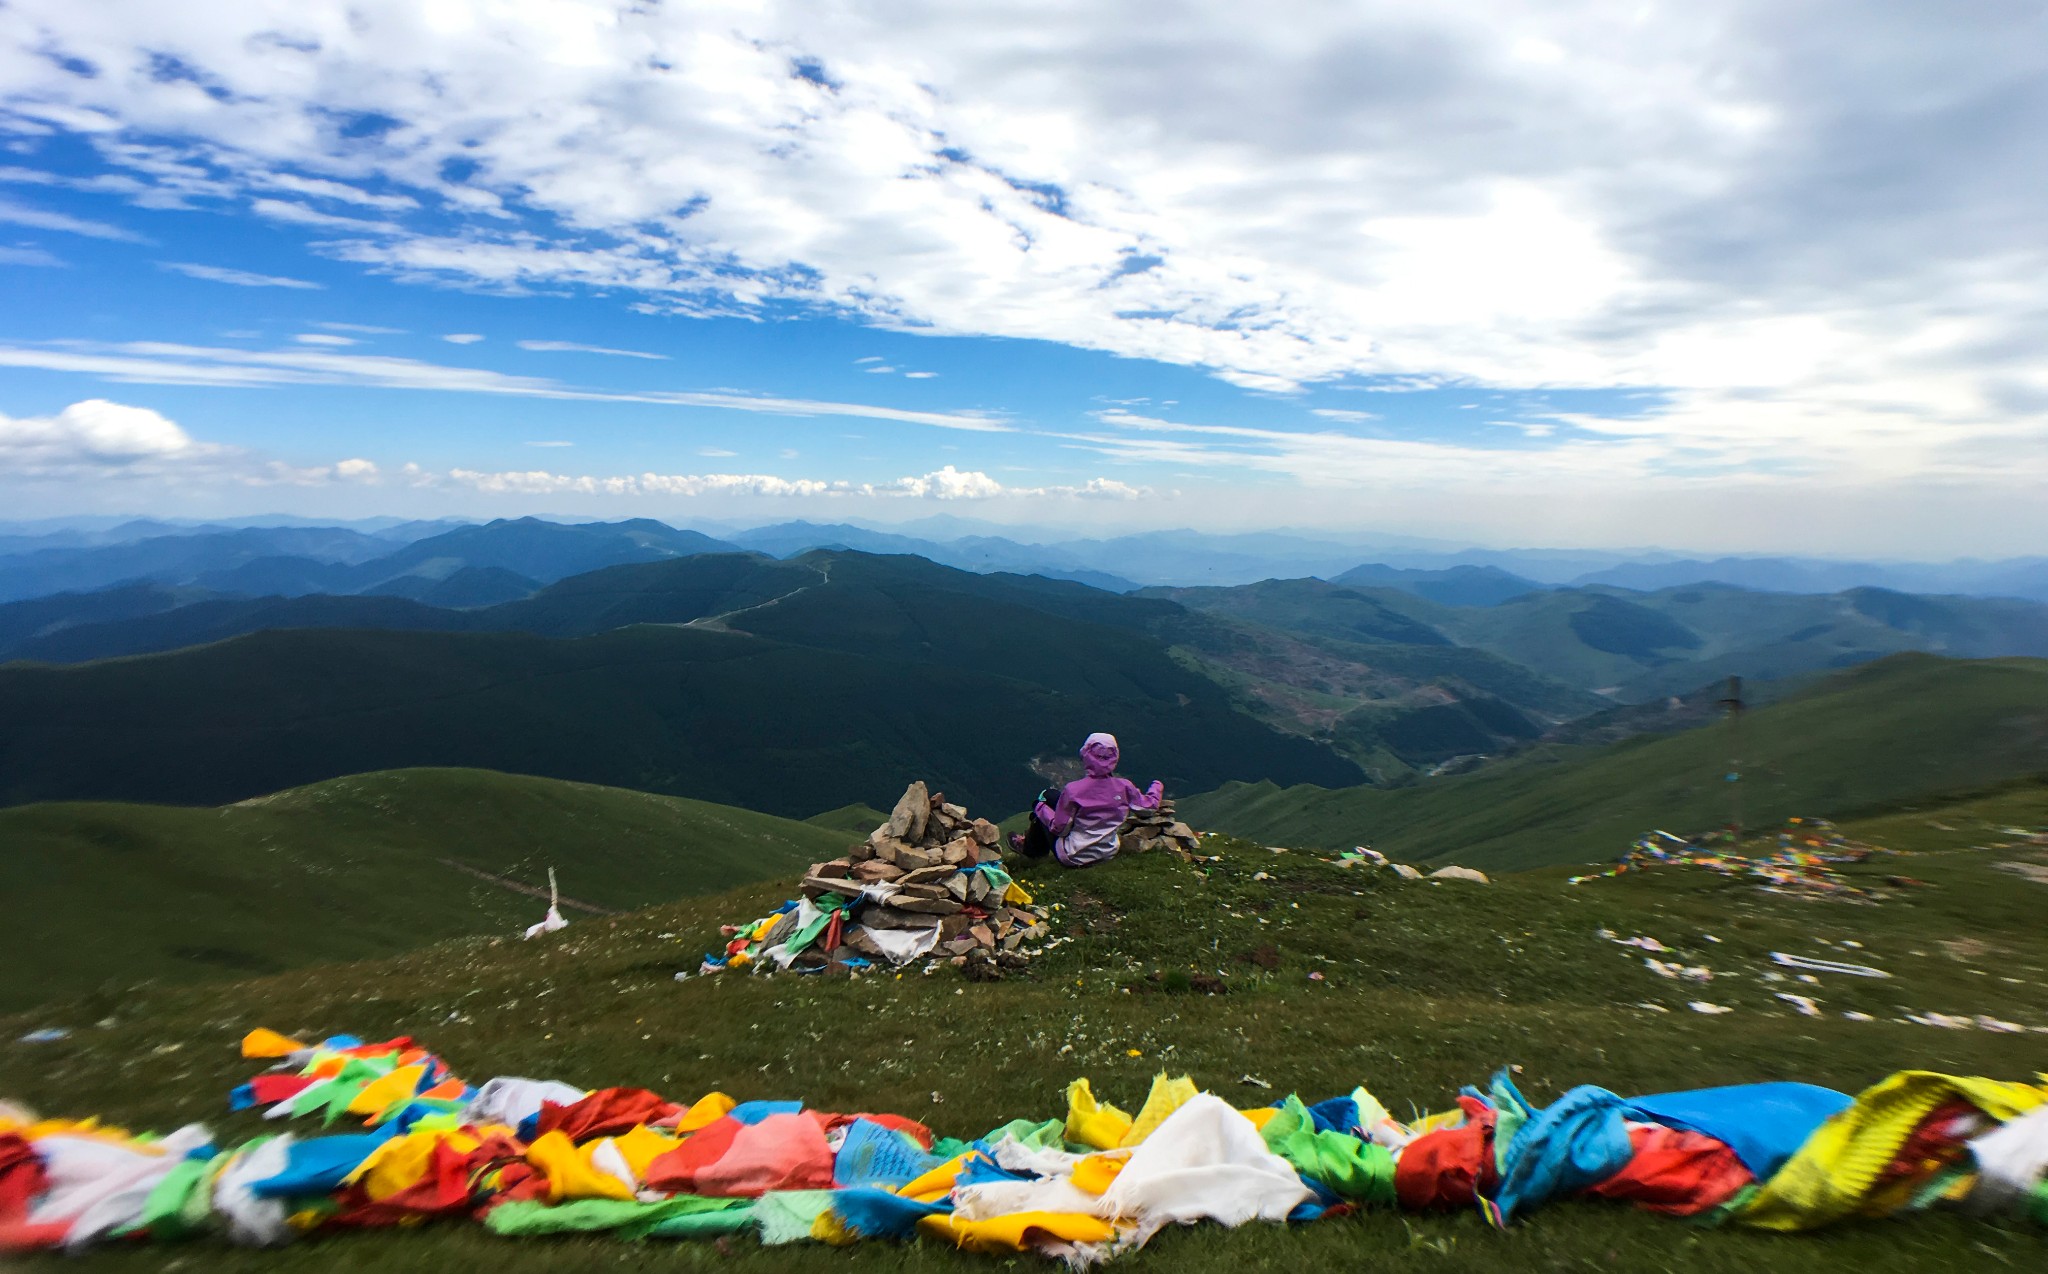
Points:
(1806, 1006)
(1701, 1006)
(48, 1035)
(1253, 1081)
(1826, 966)
(1802, 863)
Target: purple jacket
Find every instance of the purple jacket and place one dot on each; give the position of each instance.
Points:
(1092, 809)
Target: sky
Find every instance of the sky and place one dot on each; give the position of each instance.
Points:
(1742, 277)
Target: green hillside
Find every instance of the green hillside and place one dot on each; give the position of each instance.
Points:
(354, 867)
(1639, 646)
(1899, 730)
(1421, 988)
(856, 820)
(1634, 646)
(691, 711)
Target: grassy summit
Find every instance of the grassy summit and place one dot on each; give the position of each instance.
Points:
(1424, 987)
(354, 867)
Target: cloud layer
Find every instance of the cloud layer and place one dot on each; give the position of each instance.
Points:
(1814, 229)
(101, 440)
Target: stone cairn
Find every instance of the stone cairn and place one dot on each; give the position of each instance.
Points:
(924, 853)
(1147, 830)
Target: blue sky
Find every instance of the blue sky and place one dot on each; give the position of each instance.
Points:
(1449, 270)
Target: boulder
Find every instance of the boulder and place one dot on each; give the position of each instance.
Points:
(876, 871)
(907, 821)
(1405, 872)
(1474, 875)
(986, 832)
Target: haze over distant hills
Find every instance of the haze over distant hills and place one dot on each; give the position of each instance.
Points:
(293, 555)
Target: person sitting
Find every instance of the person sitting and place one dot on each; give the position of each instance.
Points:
(1078, 826)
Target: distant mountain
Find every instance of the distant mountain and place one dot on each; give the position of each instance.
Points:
(1453, 586)
(969, 553)
(1639, 646)
(1904, 729)
(175, 559)
(520, 554)
(2017, 577)
(466, 589)
(26, 621)
(737, 674)
(1312, 607)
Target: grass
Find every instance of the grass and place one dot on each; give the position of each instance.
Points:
(349, 868)
(1904, 729)
(1425, 987)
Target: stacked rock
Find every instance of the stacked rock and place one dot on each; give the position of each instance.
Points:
(1148, 830)
(927, 883)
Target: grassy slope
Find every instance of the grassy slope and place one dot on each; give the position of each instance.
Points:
(1906, 727)
(893, 667)
(1426, 987)
(347, 869)
(713, 715)
(857, 819)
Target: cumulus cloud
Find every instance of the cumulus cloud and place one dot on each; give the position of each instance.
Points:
(462, 338)
(946, 484)
(239, 278)
(97, 440)
(94, 434)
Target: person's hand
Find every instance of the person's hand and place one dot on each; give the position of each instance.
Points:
(1157, 790)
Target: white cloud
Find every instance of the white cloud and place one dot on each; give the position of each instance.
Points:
(168, 363)
(367, 329)
(98, 441)
(299, 214)
(1339, 413)
(1816, 228)
(43, 219)
(571, 347)
(29, 257)
(872, 358)
(919, 375)
(321, 188)
(93, 434)
(239, 278)
(462, 338)
(715, 452)
(945, 484)
(325, 338)
(551, 442)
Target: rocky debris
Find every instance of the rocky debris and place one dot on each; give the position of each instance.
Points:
(926, 884)
(1472, 874)
(1360, 856)
(1147, 830)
